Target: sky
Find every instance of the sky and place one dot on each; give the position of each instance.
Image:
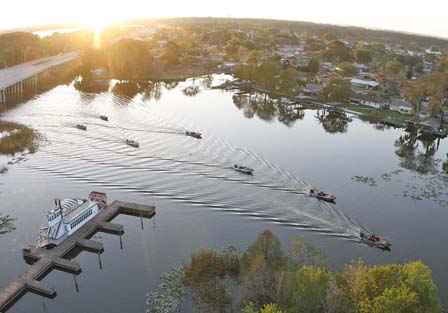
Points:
(424, 17)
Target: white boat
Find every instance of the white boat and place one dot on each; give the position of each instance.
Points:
(132, 143)
(67, 216)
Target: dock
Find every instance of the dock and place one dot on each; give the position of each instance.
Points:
(43, 261)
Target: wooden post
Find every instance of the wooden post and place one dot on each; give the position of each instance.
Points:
(76, 284)
(99, 261)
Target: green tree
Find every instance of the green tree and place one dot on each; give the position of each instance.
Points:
(254, 57)
(339, 51)
(267, 74)
(394, 67)
(348, 69)
(363, 56)
(171, 54)
(313, 66)
(126, 57)
(337, 89)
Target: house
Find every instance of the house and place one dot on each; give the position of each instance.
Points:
(361, 67)
(229, 66)
(401, 106)
(370, 101)
(367, 84)
(427, 67)
(312, 90)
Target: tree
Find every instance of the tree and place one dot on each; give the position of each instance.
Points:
(126, 57)
(336, 89)
(313, 66)
(171, 54)
(254, 57)
(348, 69)
(390, 288)
(339, 51)
(288, 81)
(414, 93)
(363, 56)
(267, 74)
(419, 68)
(394, 67)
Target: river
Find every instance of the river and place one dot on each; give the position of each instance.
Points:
(201, 202)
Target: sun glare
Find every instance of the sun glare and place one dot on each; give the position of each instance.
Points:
(97, 28)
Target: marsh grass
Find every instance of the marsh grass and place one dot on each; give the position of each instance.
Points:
(23, 138)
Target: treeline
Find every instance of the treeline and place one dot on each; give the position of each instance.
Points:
(20, 47)
(312, 29)
(138, 59)
(265, 279)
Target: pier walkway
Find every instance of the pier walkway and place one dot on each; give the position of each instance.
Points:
(45, 260)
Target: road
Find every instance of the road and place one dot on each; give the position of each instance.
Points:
(12, 75)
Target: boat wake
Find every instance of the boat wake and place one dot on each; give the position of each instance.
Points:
(169, 164)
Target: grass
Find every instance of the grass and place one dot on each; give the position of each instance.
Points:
(178, 73)
(25, 139)
(377, 114)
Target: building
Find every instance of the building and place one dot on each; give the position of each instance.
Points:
(401, 106)
(312, 90)
(370, 101)
(367, 84)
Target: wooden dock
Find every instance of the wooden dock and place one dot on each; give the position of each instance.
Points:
(42, 261)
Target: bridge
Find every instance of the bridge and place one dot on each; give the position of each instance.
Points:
(14, 80)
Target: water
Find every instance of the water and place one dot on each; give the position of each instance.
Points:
(45, 33)
(201, 202)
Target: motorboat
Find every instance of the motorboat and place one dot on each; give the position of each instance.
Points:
(132, 143)
(243, 169)
(81, 127)
(322, 196)
(375, 241)
(193, 134)
(67, 216)
(104, 118)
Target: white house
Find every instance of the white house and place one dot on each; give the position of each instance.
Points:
(401, 106)
(368, 84)
(370, 101)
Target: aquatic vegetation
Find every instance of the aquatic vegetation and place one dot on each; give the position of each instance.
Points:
(265, 279)
(6, 224)
(365, 180)
(18, 139)
(173, 293)
(387, 177)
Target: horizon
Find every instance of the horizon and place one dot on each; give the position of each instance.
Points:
(346, 14)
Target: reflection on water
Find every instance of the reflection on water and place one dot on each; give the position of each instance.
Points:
(417, 153)
(333, 121)
(266, 108)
